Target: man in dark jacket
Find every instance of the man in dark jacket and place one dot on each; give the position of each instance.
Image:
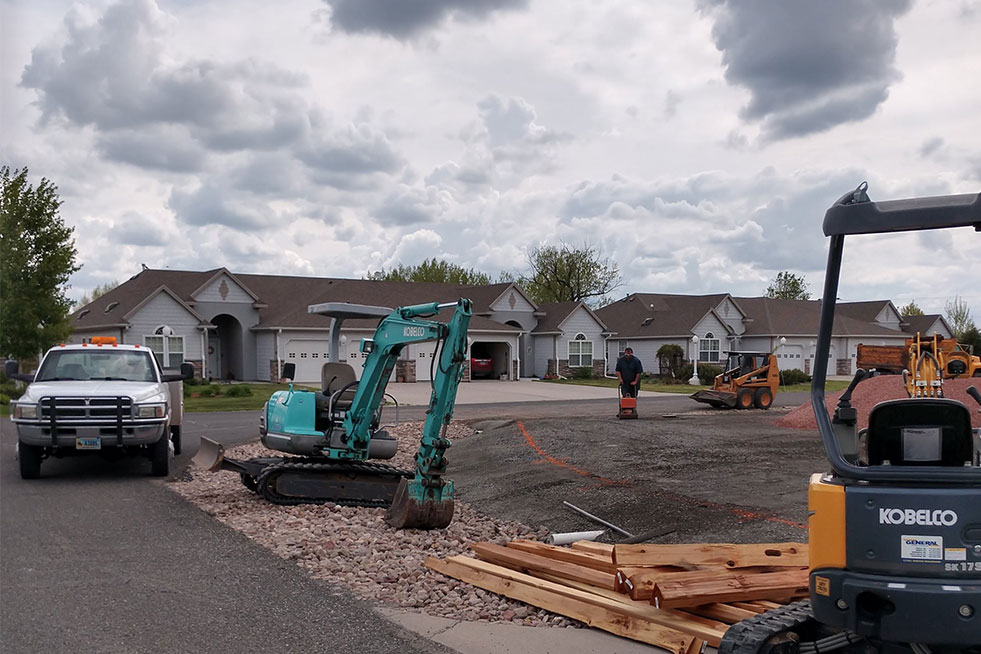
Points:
(628, 373)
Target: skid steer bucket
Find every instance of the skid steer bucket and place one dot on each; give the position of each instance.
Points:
(718, 399)
(210, 455)
(417, 507)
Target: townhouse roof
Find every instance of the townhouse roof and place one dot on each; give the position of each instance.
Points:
(656, 315)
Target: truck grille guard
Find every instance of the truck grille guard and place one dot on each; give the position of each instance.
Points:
(86, 411)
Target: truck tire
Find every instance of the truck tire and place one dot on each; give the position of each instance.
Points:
(160, 457)
(744, 398)
(763, 398)
(175, 438)
(30, 461)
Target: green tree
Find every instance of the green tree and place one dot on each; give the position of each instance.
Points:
(97, 292)
(958, 316)
(788, 286)
(972, 337)
(911, 309)
(562, 273)
(37, 256)
(432, 270)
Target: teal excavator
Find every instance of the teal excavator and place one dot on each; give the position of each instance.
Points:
(330, 434)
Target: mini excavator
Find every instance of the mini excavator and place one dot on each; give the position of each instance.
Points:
(895, 527)
(331, 434)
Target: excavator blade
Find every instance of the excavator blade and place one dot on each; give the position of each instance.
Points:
(718, 399)
(415, 508)
(210, 455)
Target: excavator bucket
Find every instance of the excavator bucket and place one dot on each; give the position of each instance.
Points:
(718, 399)
(210, 455)
(416, 507)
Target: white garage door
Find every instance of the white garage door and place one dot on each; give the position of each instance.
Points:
(309, 357)
(422, 354)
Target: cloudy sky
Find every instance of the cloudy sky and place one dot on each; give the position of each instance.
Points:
(695, 142)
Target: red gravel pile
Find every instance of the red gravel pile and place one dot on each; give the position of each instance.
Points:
(878, 389)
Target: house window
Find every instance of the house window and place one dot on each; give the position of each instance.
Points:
(708, 348)
(580, 352)
(167, 348)
(621, 346)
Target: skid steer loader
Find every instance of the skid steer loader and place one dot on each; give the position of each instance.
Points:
(750, 380)
(895, 526)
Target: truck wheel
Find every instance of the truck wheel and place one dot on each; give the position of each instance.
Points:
(744, 399)
(30, 461)
(175, 438)
(160, 457)
(763, 398)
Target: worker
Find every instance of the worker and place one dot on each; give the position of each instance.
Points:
(628, 370)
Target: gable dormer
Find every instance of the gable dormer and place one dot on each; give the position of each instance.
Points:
(224, 287)
(889, 317)
(731, 315)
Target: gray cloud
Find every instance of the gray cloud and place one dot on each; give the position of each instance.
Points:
(407, 18)
(409, 206)
(808, 65)
(358, 149)
(160, 149)
(931, 146)
(135, 229)
(209, 205)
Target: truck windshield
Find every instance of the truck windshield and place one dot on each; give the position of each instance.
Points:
(87, 365)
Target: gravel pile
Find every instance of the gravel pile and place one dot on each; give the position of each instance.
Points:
(878, 389)
(353, 546)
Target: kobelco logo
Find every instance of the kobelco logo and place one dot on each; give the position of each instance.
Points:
(924, 517)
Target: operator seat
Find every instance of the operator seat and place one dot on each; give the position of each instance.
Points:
(334, 377)
(920, 432)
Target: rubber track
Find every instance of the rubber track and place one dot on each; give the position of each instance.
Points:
(750, 635)
(269, 473)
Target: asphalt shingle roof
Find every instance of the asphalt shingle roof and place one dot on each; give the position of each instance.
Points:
(669, 315)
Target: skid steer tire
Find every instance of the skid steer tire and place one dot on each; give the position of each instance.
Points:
(763, 398)
(744, 398)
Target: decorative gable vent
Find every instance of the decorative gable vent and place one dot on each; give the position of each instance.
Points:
(82, 313)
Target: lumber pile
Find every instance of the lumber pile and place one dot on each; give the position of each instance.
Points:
(678, 597)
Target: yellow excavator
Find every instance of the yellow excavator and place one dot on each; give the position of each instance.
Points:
(895, 525)
(920, 358)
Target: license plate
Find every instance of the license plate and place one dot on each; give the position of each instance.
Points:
(91, 443)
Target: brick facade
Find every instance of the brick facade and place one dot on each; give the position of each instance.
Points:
(405, 371)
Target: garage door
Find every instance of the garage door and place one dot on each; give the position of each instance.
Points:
(309, 357)
(422, 354)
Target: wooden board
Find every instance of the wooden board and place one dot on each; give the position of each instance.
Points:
(601, 562)
(525, 561)
(701, 554)
(781, 586)
(594, 547)
(640, 585)
(566, 601)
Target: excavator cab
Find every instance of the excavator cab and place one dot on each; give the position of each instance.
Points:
(895, 525)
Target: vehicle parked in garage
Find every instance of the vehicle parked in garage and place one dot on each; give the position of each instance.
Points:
(481, 361)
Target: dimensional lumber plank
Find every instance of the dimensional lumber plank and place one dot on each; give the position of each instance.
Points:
(727, 554)
(592, 546)
(527, 561)
(753, 608)
(641, 584)
(708, 629)
(601, 562)
(770, 585)
(728, 613)
(561, 599)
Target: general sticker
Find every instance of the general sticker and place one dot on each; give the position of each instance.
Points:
(922, 548)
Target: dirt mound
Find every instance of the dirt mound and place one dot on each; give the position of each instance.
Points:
(878, 389)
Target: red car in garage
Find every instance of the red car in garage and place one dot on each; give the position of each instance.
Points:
(480, 367)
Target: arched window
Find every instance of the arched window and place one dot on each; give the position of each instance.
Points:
(708, 348)
(580, 351)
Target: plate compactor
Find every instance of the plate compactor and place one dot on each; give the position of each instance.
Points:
(628, 407)
(331, 434)
(895, 526)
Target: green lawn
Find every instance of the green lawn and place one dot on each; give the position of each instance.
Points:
(647, 385)
(254, 402)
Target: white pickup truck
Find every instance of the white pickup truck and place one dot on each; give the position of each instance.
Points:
(102, 398)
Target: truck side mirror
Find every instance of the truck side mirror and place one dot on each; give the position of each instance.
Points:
(187, 370)
(289, 371)
(11, 368)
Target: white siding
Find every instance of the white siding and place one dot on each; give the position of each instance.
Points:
(234, 292)
(888, 318)
(710, 325)
(731, 316)
(165, 310)
(265, 351)
(580, 321)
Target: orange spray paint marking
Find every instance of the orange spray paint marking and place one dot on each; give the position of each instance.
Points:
(562, 464)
